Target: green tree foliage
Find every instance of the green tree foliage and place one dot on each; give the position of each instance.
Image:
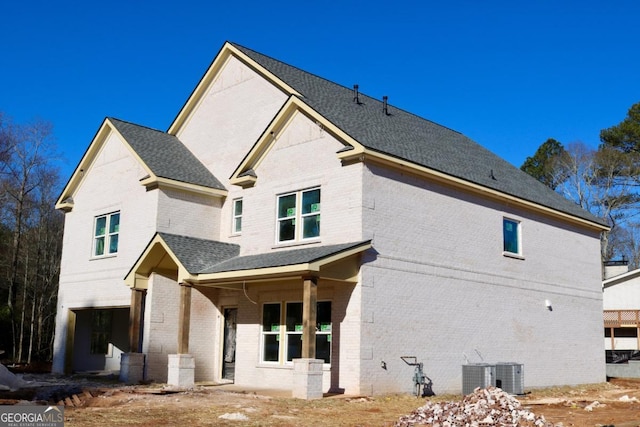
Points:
(544, 164)
(604, 181)
(624, 136)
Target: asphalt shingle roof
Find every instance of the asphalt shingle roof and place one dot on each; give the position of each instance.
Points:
(166, 155)
(197, 254)
(279, 258)
(406, 136)
(201, 256)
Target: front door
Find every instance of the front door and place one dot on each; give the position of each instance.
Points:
(229, 345)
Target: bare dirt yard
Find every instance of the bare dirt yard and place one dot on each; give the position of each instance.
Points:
(91, 403)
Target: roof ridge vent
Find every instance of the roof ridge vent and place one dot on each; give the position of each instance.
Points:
(385, 105)
(356, 94)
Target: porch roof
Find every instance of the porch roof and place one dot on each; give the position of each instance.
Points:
(203, 261)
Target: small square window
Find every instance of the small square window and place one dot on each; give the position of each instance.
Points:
(512, 241)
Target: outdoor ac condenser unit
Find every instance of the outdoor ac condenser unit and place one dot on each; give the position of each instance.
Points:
(510, 377)
(474, 375)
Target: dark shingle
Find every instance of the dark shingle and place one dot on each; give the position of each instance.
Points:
(195, 254)
(406, 136)
(278, 258)
(165, 155)
(202, 256)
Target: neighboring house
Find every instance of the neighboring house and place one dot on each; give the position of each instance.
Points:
(621, 302)
(286, 230)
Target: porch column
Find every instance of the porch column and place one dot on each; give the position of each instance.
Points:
(132, 363)
(135, 320)
(309, 311)
(181, 369)
(307, 371)
(184, 321)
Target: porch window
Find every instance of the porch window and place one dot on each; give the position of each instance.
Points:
(289, 332)
(237, 217)
(100, 331)
(298, 216)
(511, 232)
(106, 233)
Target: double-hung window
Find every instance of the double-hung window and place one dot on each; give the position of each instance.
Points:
(298, 216)
(105, 235)
(512, 238)
(282, 331)
(236, 227)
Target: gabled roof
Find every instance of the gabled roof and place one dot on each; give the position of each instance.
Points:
(166, 155)
(166, 160)
(405, 136)
(206, 261)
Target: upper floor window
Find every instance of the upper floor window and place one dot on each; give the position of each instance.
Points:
(236, 227)
(298, 215)
(511, 236)
(105, 236)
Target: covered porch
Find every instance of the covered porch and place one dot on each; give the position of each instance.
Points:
(274, 317)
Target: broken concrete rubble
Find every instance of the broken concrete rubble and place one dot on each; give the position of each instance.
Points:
(490, 406)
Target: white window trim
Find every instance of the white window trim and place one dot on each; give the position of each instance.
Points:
(283, 334)
(509, 254)
(298, 218)
(235, 216)
(107, 236)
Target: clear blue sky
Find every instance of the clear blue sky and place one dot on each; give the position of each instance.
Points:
(508, 74)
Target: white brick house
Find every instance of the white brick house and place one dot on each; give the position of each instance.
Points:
(429, 246)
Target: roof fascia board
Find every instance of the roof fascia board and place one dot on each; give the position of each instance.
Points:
(265, 142)
(133, 277)
(621, 278)
(385, 159)
(317, 265)
(153, 181)
(87, 160)
(300, 269)
(281, 271)
(211, 76)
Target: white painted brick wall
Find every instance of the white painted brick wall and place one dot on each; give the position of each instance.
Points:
(441, 290)
(229, 119)
(188, 214)
(110, 184)
(302, 157)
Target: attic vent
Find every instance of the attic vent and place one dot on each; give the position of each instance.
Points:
(356, 94)
(385, 106)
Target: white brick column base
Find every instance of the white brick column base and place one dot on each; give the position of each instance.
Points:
(181, 370)
(132, 368)
(307, 378)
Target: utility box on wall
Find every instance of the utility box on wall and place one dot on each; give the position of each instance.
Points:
(510, 377)
(475, 375)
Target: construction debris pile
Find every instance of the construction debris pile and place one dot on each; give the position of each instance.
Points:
(483, 407)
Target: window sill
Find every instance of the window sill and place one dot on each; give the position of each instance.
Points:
(512, 255)
(94, 258)
(299, 243)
